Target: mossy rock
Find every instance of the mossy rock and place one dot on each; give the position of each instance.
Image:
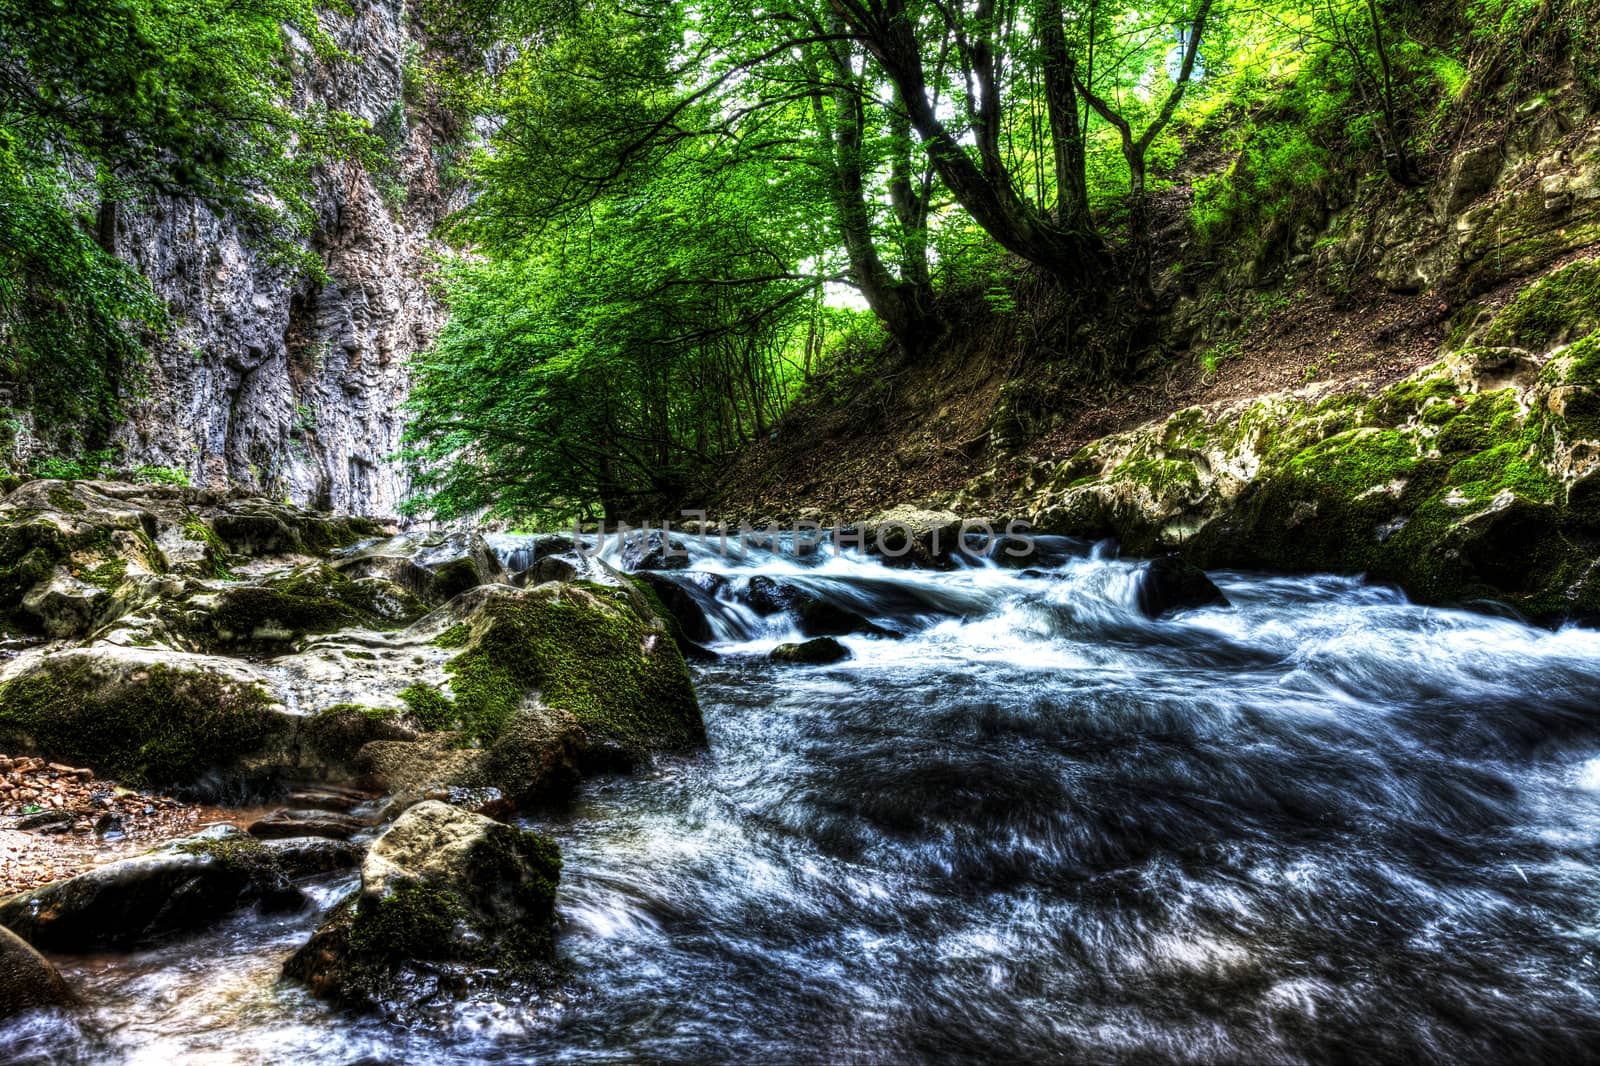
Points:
(331, 739)
(147, 718)
(310, 600)
(1562, 306)
(446, 897)
(597, 653)
(180, 887)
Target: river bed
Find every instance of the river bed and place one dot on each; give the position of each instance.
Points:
(1322, 824)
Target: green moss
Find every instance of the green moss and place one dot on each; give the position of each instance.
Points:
(1559, 306)
(1158, 475)
(162, 727)
(107, 575)
(61, 499)
(416, 921)
(318, 600)
(456, 636)
(624, 682)
(369, 713)
(244, 855)
(433, 708)
(361, 656)
(1408, 399)
(216, 552)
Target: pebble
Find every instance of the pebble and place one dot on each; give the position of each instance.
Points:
(57, 820)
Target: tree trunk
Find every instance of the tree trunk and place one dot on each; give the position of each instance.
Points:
(1066, 134)
(105, 226)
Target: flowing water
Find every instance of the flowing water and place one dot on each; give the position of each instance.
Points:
(1322, 824)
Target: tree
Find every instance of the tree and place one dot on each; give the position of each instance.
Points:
(1135, 148)
(914, 44)
(613, 360)
(620, 91)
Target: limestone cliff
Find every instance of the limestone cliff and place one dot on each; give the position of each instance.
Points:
(278, 383)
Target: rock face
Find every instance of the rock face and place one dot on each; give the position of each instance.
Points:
(184, 886)
(1477, 477)
(27, 980)
(447, 899)
(286, 384)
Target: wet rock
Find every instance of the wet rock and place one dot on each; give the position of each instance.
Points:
(684, 607)
(767, 597)
(331, 740)
(913, 537)
(27, 980)
(448, 899)
(432, 566)
(489, 802)
(306, 857)
(519, 554)
(814, 616)
(45, 820)
(329, 798)
(535, 756)
(653, 550)
(550, 568)
(289, 822)
(1169, 584)
(184, 886)
(817, 652)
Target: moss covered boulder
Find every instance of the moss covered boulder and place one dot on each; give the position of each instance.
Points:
(449, 900)
(146, 716)
(73, 557)
(597, 653)
(312, 599)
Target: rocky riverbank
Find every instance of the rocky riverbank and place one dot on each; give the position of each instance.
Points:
(1475, 478)
(389, 695)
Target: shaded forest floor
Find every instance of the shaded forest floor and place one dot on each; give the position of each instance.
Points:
(915, 430)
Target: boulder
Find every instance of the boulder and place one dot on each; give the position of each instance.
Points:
(448, 899)
(183, 886)
(683, 606)
(290, 822)
(653, 550)
(818, 652)
(311, 599)
(255, 526)
(433, 566)
(72, 557)
(27, 980)
(146, 716)
(550, 568)
(602, 655)
(814, 616)
(913, 537)
(1169, 584)
(534, 757)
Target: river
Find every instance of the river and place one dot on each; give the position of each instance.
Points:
(1322, 824)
